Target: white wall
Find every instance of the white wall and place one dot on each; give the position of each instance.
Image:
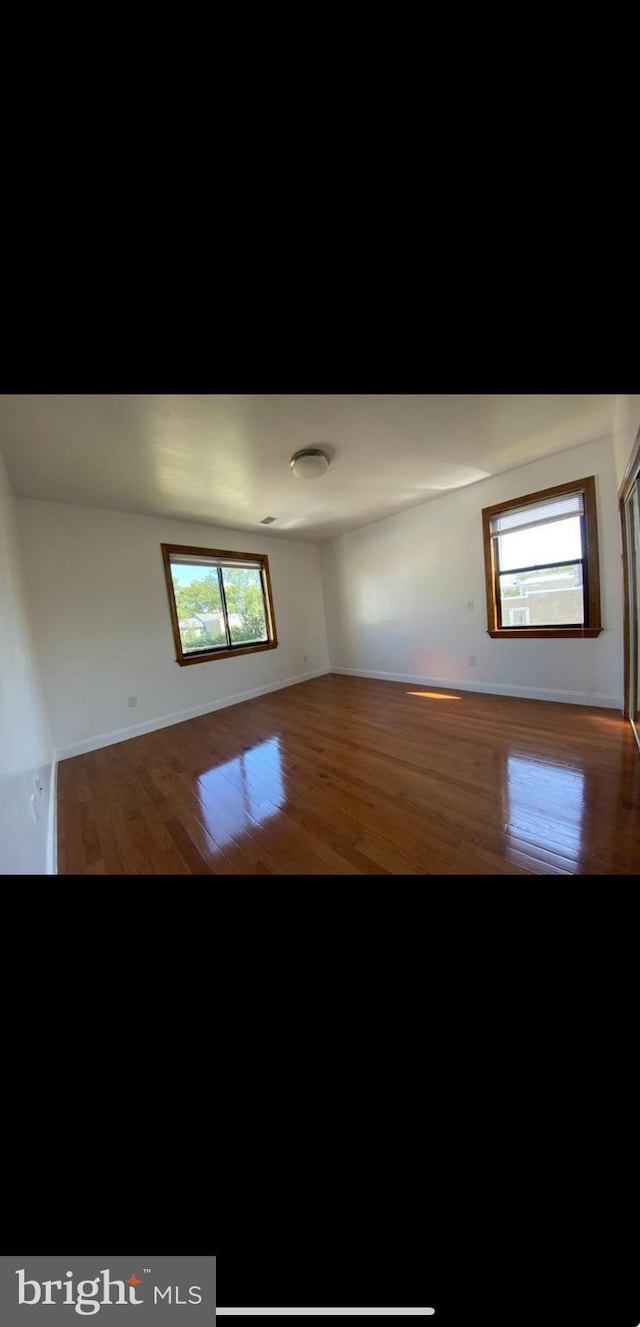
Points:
(97, 591)
(625, 432)
(395, 594)
(25, 740)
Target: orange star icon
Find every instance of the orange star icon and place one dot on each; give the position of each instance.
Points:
(133, 1280)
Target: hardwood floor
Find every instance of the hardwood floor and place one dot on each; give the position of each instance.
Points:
(350, 776)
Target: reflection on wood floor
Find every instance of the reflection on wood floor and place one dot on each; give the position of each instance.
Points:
(345, 775)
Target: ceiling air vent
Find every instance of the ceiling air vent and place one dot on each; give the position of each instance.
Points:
(268, 519)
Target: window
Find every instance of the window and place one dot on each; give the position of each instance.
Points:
(220, 602)
(518, 617)
(541, 563)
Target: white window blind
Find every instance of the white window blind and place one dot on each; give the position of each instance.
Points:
(537, 513)
(193, 560)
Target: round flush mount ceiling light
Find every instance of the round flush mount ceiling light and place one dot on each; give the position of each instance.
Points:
(309, 463)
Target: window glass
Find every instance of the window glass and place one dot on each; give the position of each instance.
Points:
(245, 604)
(199, 607)
(542, 543)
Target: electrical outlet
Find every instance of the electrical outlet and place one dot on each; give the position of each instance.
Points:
(472, 659)
(469, 605)
(34, 808)
(305, 658)
(133, 701)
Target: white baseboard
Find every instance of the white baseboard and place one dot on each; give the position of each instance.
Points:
(493, 688)
(166, 720)
(52, 820)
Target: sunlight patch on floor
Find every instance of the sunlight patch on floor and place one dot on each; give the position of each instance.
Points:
(433, 695)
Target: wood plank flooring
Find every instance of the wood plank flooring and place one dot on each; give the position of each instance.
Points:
(351, 776)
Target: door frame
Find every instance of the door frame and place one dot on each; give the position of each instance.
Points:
(631, 475)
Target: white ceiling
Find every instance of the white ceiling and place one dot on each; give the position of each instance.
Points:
(225, 459)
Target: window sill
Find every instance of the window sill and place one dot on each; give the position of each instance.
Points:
(545, 633)
(225, 654)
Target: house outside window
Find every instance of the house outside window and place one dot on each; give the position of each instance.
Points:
(518, 617)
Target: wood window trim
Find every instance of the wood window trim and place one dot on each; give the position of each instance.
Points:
(231, 555)
(591, 561)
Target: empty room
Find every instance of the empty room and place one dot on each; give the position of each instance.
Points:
(311, 635)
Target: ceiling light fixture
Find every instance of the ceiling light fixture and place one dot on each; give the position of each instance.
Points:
(309, 463)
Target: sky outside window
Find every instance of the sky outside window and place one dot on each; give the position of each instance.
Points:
(558, 542)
